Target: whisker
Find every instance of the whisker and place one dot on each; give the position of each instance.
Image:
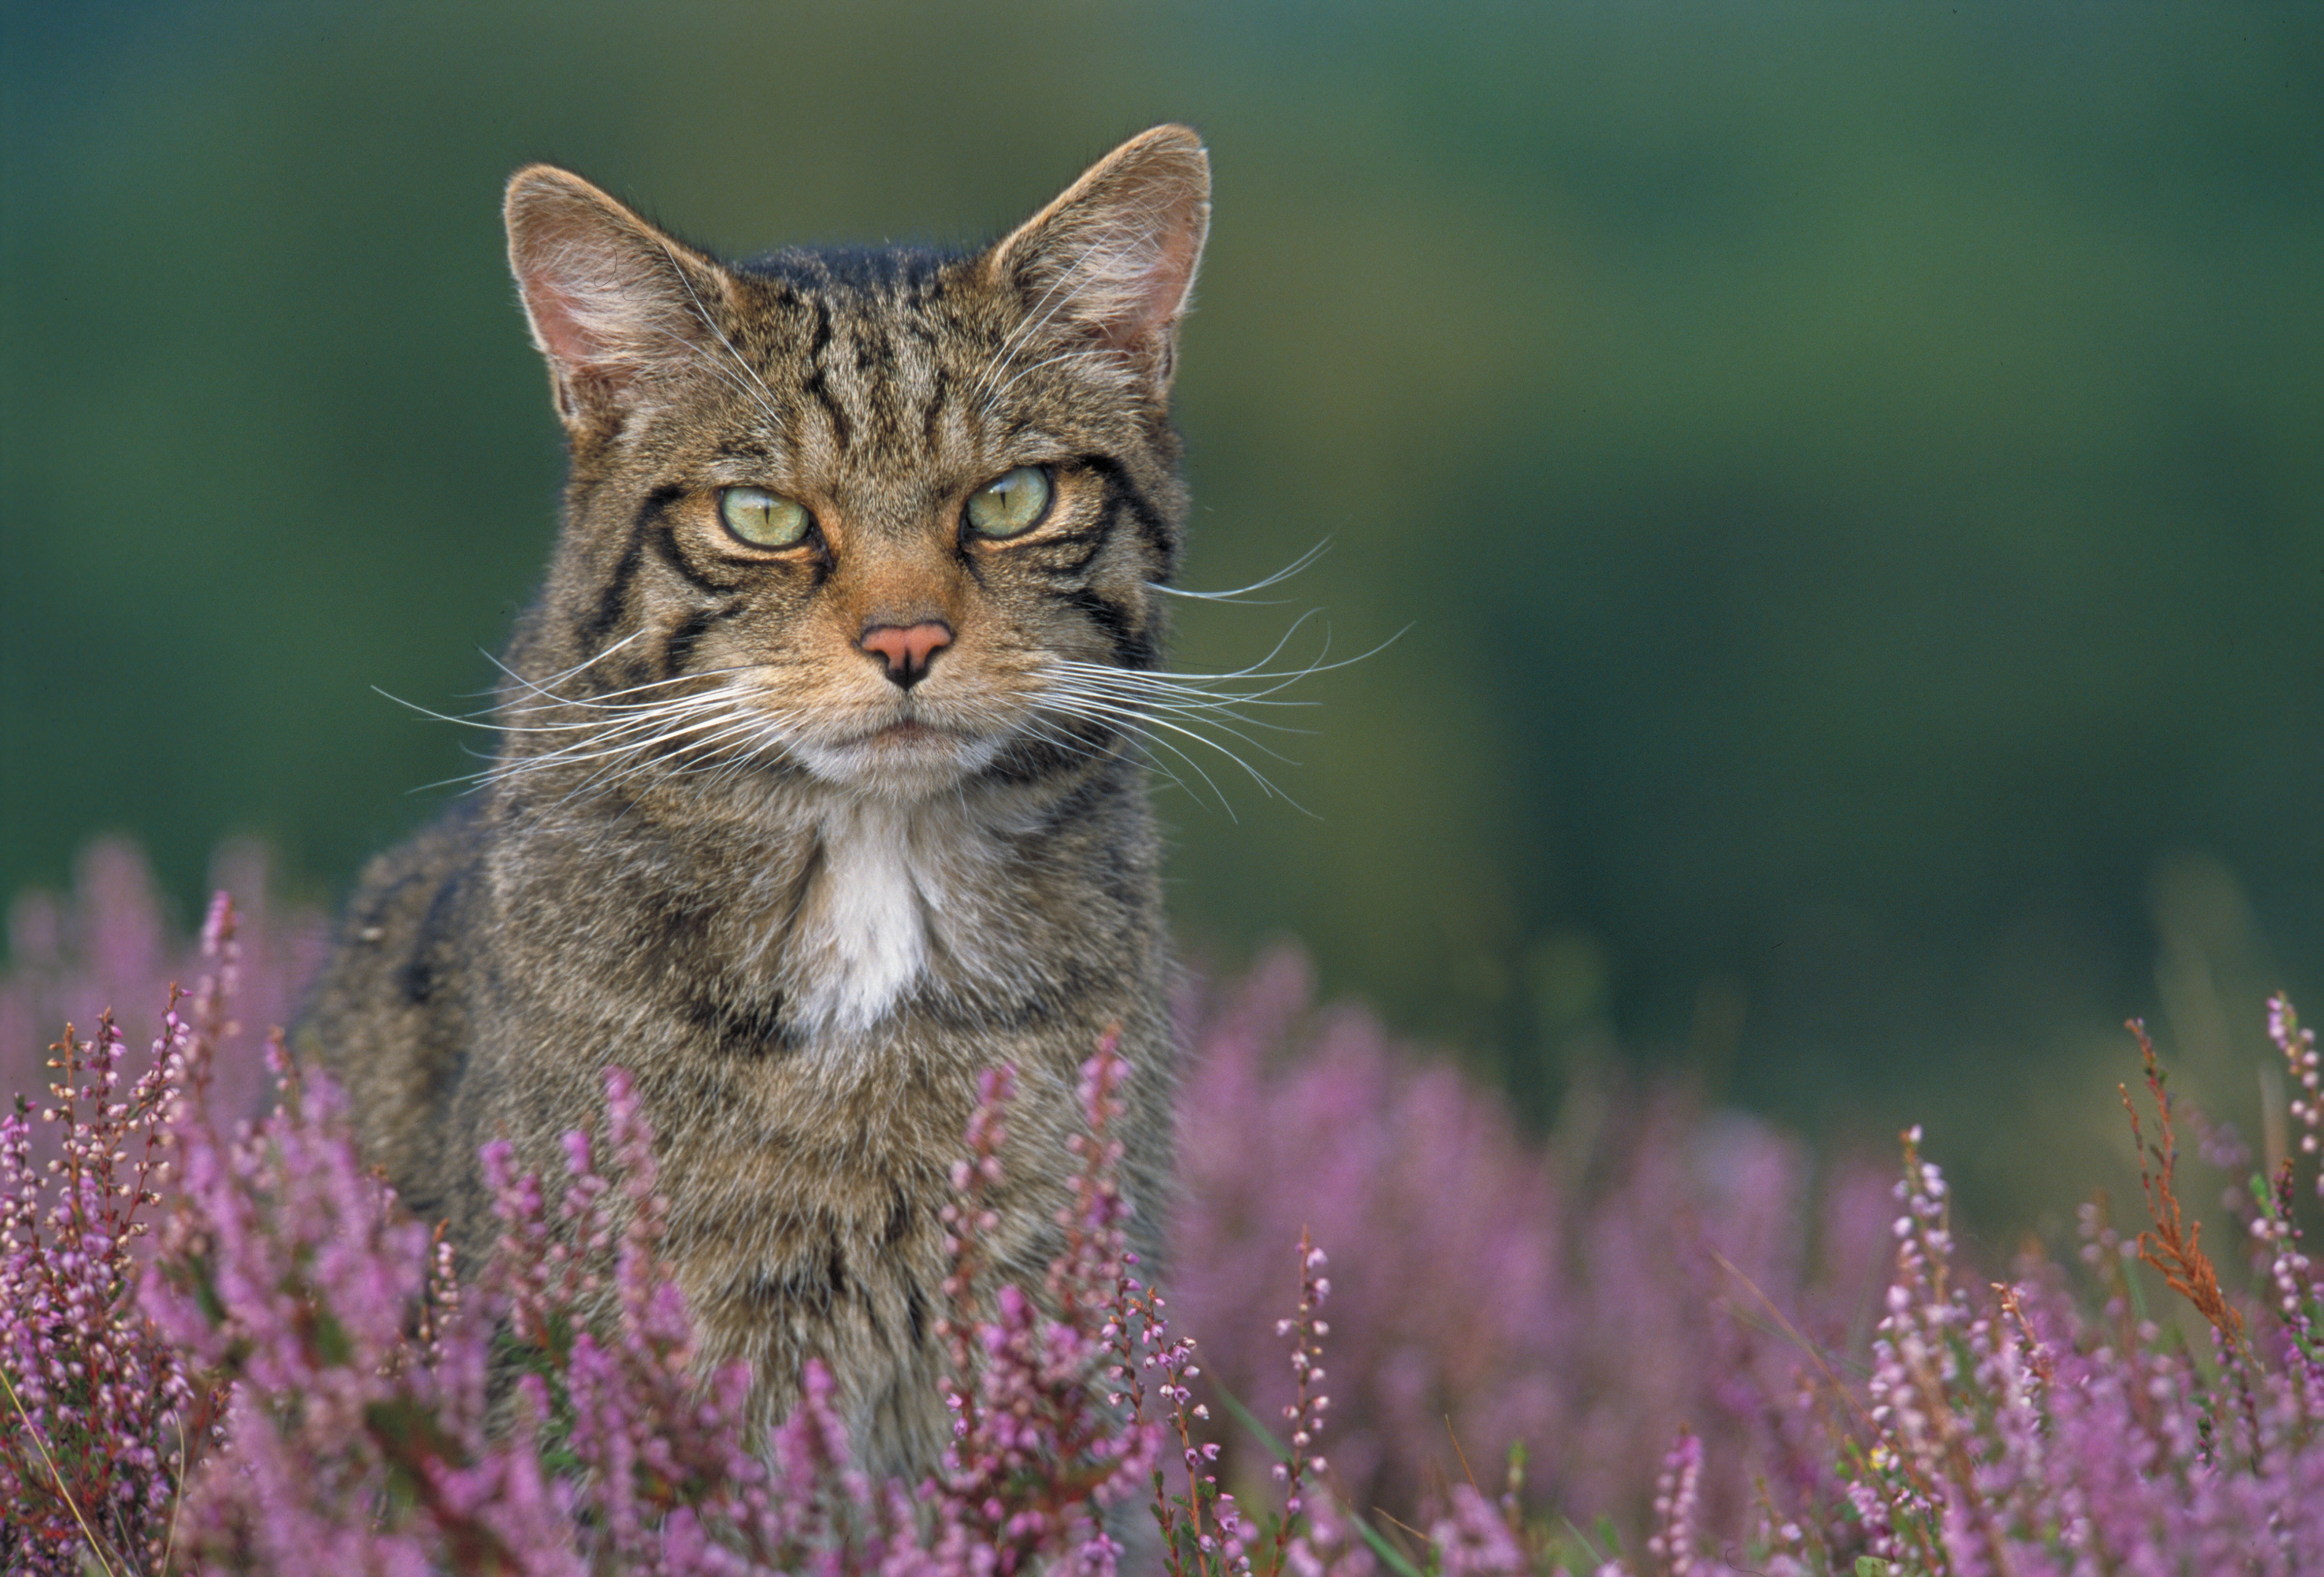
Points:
(1223, 717)
(1187, 699)
(1240, 592)
(670, 708)
(1150, 704)
(1256, 671)
(576, 668)
(639, 733)
(1100, 712)
(552, 699)
(670, 762)
(663, 750)
(1133, 727)
(1114, 712)
(766, 396)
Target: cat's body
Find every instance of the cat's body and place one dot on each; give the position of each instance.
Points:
(817, 791)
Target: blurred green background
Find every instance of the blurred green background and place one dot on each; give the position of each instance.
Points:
(1849, 476)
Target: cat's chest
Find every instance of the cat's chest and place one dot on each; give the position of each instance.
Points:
(894, 896)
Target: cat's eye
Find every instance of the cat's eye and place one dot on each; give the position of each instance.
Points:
(763, 519)
(1010, 506)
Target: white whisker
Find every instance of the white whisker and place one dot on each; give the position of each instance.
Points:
(578, 669)
(1142, 724)
(551, 699)
(1134, 728)
(1240, 593)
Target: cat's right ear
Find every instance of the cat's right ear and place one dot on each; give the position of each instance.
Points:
(1109, 265)
(616, 306)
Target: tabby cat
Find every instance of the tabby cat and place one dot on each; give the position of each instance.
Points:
(816, 787)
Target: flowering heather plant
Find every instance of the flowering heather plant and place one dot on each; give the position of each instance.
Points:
(2010, 1430)
(2292, 1283)
(1586, 1298)
(547, 1418)
(286, 1376)
(367, 1412)
(108, 946)
(92, 1434)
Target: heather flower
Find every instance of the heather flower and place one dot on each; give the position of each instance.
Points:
(1472, 1539)
(1049, 1422)
(93, 1432)
(1677, 1499)
(373, 1423)
(2018, 1435)
(107, 945)
(1585, 1298)
(297, 1381)
(2298, 1045)
(286, 1275)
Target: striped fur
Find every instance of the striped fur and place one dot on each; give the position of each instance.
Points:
(803, 904)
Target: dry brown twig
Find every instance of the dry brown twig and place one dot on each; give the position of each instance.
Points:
(2174, 1247)
(2014, 1307)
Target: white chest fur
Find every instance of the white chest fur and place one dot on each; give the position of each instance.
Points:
(895, 884)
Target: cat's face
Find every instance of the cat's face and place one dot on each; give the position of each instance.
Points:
(887, 520)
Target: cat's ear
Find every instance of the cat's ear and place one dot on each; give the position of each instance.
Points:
(1112, 259)
(616, 306)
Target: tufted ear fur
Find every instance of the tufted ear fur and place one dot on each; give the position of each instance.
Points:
(616, 306)
(1112, 259)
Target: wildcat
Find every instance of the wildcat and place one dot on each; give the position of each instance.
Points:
(816, 789)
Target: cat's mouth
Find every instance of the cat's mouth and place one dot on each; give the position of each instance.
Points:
(907, 757)
(910, 731)
(910, 739)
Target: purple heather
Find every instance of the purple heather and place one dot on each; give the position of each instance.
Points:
(228, 1348)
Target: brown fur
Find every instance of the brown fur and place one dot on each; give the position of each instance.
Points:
(804, 936)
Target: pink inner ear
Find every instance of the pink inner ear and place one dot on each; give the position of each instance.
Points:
(1113, 258)
(556, 319)
(1150, 299)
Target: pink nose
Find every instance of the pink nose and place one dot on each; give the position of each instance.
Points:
(906, 648)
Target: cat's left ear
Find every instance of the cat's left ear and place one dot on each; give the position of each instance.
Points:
(1112, 259)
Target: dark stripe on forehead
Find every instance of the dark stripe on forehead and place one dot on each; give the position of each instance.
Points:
(817, 388)
(881, 383)
(939, 390)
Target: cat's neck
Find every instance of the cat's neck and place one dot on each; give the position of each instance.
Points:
(892, 886)
(847, 903)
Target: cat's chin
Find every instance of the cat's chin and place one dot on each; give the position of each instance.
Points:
(904, 761)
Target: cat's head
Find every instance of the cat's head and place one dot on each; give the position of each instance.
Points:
(886, 520)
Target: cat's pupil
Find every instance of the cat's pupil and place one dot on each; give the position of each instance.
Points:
(763, 519)
(1011, 504)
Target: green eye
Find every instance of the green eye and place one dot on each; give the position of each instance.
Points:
(763, 519)
(1010, 506)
